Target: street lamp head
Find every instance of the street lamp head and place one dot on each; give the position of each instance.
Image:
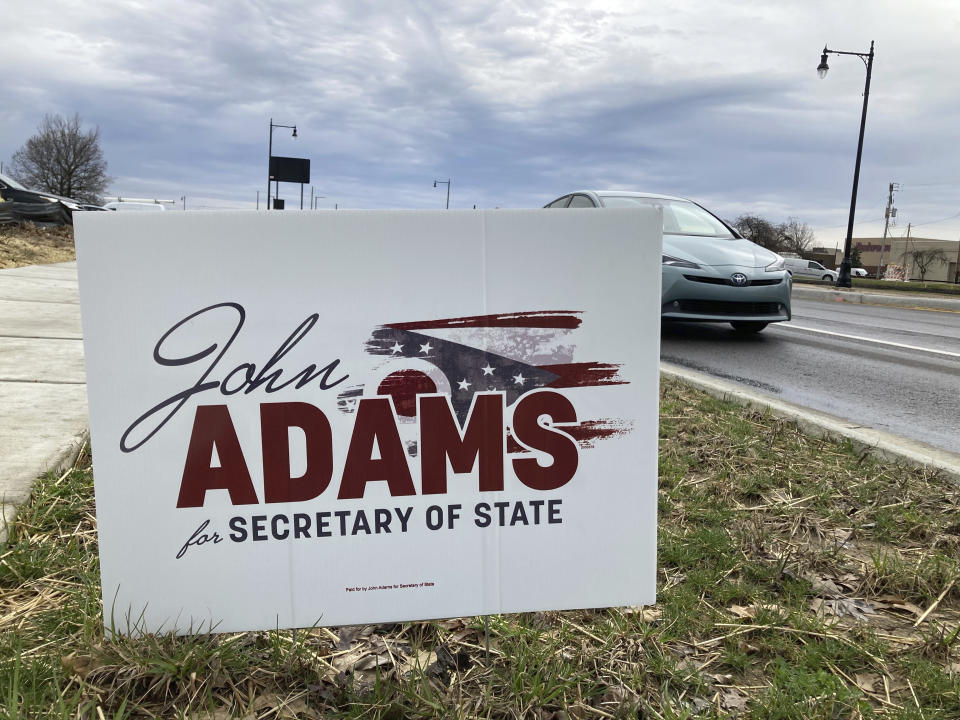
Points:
(823, 67)
(294, 131)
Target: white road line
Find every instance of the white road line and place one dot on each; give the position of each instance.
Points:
(792, 326)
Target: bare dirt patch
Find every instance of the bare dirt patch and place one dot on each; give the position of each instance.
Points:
(31, 245)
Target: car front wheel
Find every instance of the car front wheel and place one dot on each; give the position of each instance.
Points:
(827, 278)
(748, 328)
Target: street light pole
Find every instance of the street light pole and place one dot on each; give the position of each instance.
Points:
(843, 280)
(447, 183)
(270, 155)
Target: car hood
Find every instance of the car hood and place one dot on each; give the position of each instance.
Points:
(61, 198)
(44, 196)
(717, 251)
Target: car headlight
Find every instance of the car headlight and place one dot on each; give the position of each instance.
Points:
(776, 265)
(677, 262)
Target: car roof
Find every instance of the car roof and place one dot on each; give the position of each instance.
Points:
(632, 193)
(133, 206)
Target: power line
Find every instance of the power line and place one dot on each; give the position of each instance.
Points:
(858, 222)
(933, 222)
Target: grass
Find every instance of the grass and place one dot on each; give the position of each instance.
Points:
(910, 286)
(797, 579)
(913, 286)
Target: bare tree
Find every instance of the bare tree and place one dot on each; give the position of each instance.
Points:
(925, 259)
(758, 230)
(63, 159)
(795, 236)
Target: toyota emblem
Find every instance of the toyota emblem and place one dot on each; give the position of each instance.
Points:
(738, 279)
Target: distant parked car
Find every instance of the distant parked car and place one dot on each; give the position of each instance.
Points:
(810, 269)
(858, 272)
(710, 273)
(37, 206)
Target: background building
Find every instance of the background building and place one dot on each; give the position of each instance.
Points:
(901, 252)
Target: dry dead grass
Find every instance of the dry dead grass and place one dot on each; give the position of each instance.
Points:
(797, 579)
(31, 245)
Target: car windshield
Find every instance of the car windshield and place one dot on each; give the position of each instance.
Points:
(10, 182)
(680, 217)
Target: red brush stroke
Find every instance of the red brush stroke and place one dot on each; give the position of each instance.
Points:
(556, 319)
(584, 374)
(586, 433)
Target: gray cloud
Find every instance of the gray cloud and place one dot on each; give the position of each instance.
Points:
(516, 102)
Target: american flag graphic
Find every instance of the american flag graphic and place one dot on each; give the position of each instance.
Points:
(512, 353)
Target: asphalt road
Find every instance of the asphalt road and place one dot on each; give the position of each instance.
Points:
(889, 368)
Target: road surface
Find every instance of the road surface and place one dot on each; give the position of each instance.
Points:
(893, 369)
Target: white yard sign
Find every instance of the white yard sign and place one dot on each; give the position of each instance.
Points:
(348, 417)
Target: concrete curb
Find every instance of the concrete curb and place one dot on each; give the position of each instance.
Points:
(863, 297)
(882, 445)
(59, 462)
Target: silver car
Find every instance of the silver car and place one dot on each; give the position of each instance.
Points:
(710, 272)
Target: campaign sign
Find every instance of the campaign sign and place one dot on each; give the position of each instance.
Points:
(349, 417)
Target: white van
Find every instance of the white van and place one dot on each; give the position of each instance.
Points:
(799, 267)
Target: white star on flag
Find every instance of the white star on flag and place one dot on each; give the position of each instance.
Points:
(487, 370)
(518, 379)
(425, 348)
(397, 347)
(464, 385)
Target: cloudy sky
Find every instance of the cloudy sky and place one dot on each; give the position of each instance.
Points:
(516, 102)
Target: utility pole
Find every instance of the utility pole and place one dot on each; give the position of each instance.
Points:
(956, 274)
(891, 212)
(906, 242)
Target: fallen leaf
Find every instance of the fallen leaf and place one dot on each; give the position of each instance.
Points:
(890, 599)
(907, 607)
(720, 678)
(869, 682)
(295, 710)
(751, 611)
(616, 695)
(350, 633)
(700, 704)
(733, 700)
(646, 613)
(79, 665)
(347, 661)
(839, 535)
(460, 635)
(421, 661)
(371, 661)
(857, 609)
(823, 586)
(897, 683)
(849, 580)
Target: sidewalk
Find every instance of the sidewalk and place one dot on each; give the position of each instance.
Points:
(43, 394)
(876, 297)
